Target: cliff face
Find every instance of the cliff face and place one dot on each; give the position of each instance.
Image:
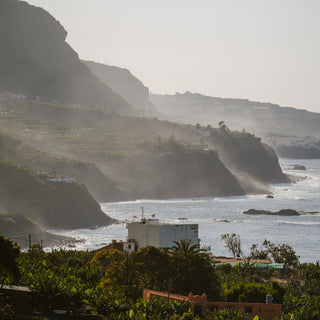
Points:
(124, 83)
(50, 204)
(245, 154)
(36, 60)
(171, 171)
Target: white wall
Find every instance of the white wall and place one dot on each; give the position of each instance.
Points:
(161, 235)
(177, 232)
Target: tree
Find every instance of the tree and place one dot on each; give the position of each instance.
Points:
(153, 267)
(282, 253)
(9, 252)
(104, 258)
(185, 247)
(258, 253)
(192, 271)
(122, 275)
(233, 243)
(302, 300)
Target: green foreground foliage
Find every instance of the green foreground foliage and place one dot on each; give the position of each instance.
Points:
(110, 283)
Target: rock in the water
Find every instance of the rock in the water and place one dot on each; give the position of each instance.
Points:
(270, 196)
(283, 212)
(298, 167)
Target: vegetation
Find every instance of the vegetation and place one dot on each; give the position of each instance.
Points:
(110, 283)
(255, 292)
(9, 252)
(277, 253)
(233, 243)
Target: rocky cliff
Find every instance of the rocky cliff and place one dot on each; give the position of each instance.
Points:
(50, 204)
(170, 170)
(245, 155)
(36, 60)
(126, 84)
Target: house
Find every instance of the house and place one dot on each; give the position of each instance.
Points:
(114, 245)
(152, 232)
(53, 177)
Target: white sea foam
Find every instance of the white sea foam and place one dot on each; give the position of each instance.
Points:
(304, 223)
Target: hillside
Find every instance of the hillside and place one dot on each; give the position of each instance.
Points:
(18, 227)
(102, 188)
(123, 82)
(36, 61)
(246, 155)
(127, 150)
(256, 117)
(50, 204)
(63, 119)
(171, 170)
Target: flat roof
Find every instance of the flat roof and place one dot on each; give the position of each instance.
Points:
(239, 260)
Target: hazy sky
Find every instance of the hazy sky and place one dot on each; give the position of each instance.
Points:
(265, 50)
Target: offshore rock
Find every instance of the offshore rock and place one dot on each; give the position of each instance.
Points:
(283, 212)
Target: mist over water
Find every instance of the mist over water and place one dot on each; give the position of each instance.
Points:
(216, 216)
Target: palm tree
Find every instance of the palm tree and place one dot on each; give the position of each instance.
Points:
(185, 247)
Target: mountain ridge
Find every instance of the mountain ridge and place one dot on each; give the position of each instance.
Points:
(123, 82)
(261, 118)
(37, 61)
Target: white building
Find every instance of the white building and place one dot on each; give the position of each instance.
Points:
(152, 232)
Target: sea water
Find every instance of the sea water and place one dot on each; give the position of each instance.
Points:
(217, 216)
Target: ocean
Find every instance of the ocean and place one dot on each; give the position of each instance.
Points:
(217, 216)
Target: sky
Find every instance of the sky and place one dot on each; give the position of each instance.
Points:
(262, 50)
